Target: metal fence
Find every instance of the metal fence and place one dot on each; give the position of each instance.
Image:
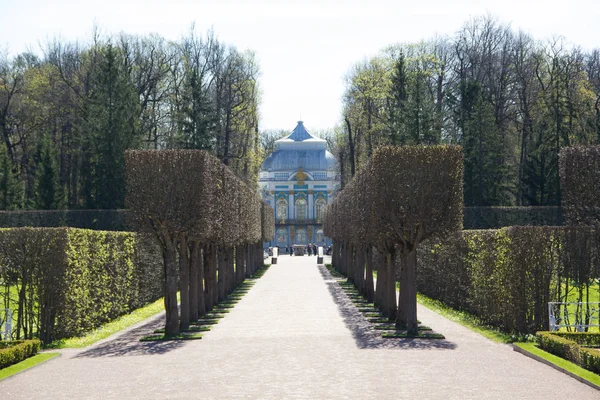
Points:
(574, 316)
(5, 323)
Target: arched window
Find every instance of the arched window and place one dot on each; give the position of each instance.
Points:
(281, 236)
(301, 237)
(320, 236)
(282, 209)
(301, 209)
(320, 206)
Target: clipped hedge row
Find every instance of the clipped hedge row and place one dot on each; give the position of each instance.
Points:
(105, 220)
(563, 346)
(586, 339)
(116, 220)
(499, 217)
(74, 280)
(507, 276)
(12, 352)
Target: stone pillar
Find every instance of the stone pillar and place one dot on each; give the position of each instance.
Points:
(292, 207)
(311, 211)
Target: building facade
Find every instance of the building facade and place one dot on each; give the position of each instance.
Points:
(298, 181)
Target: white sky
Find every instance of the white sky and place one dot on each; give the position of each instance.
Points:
(304, 48)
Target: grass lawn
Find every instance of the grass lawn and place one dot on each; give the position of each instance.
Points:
(465, 319)
(111, 327)
(25, 364)
(561, 363)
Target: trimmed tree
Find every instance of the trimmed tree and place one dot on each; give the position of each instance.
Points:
(418, 195)
(580, 184)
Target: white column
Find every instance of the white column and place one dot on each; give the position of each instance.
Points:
(311, 213)
(291, 214)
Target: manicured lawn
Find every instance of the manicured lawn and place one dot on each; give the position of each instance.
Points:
(112, 327)
(465, 319)
(560, 362)
(25, 364)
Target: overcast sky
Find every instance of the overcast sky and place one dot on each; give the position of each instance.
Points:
(304, 48)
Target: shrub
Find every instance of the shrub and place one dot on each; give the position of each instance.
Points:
(507, 276)
(107, 220)
(77, 279)
(564, 346)
(13, 352)
(579, 168)
(499, 217)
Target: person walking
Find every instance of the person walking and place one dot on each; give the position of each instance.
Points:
(309, 249)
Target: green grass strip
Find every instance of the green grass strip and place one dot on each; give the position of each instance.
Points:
(26, 364)
(191, 328)
(392, 327)
(206, 322)
(374, 314)
(465, 319)
(111, 327)
(420, 335)
(379, 320)
(561, 363)
(162, 337)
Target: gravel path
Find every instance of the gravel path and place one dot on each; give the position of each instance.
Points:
(295, 335)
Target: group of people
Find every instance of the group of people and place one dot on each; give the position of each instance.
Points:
(311, 249)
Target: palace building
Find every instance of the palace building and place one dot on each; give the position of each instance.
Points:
(298, 181)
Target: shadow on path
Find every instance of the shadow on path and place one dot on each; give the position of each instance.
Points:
(362, 331)
(128, 344)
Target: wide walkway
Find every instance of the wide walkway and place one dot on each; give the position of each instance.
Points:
(296, 336)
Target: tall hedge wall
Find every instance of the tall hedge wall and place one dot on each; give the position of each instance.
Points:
(116, 220)
(69, 281)
(499, 217)
(507, 276)
(106, 220)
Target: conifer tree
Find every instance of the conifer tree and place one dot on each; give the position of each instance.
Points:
(11, 194)
(49, 193)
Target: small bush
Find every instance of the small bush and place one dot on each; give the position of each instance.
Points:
(562, 345)
(13, 352)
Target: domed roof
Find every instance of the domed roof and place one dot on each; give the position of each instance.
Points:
(299, 149)
(291, 160)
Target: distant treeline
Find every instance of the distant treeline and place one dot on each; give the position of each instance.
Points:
(510, 100)
(66, 117)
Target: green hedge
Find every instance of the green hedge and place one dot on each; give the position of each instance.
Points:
(564, 346)
(507, 276)
(117, 220)
(12, 352)
(499, 217)
(107, 220)
(73, 280)
(586, 339)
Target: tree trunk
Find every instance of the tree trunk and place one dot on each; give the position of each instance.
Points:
(249, 260)
(359, 269)
(350, 263)
(389, 287)
(221, 274)
(194, 271)
(210, 275)
(171, 309)
(407, 299)
(376, 261)
(369, 287)
(240, 269)
(184, 276)
(201, 298)
(230, 283)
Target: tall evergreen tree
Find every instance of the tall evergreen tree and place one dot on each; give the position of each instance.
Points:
(11, 194)
(112, 127)
(49, 192)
